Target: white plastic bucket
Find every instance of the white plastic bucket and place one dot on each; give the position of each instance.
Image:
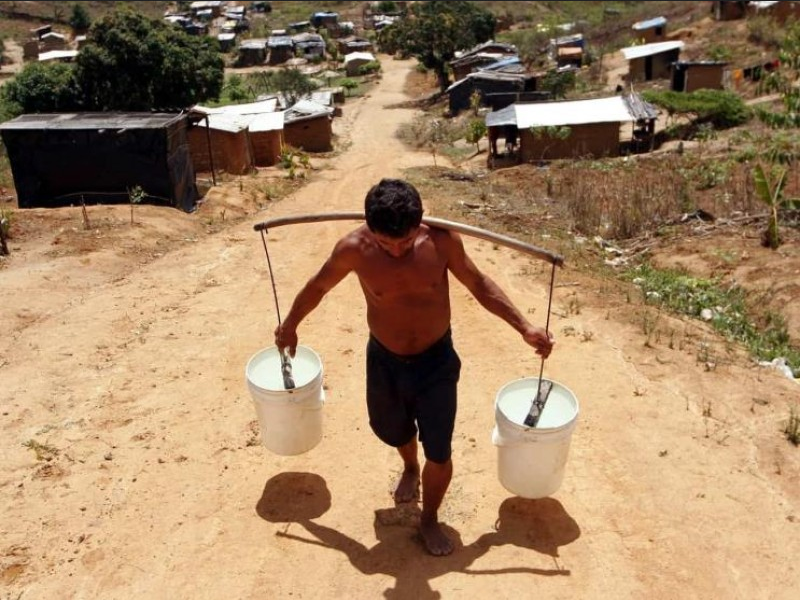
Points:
(531, 460)
(290, 420)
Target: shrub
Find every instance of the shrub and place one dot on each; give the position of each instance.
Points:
(721, 108)
(372, 66)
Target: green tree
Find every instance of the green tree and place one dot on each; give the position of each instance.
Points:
(79, 20)
(558, 83)
(721, 108)
(784, 81)
(476, 129)
(349, 85)
(135, 196)
(293, 84)
(386, 7)
(235, 89)
(290, 82)
(41, 88)
(434, 31)
(134, 63)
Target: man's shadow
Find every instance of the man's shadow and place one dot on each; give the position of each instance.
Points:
(539, 525)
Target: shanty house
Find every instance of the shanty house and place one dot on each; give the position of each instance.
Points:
(252, 52)
(52, 41)
(229, 142)
(308, 44)
(355, 60)
(266, 137)
(281, 49)
(480, 56)
(264, 128)
(494, 88)
(325, 20)
(308, 125)
(227, 41)
(213, 8)
(593, 126)
(57, 159)
(651, 30)
(688, 76)
(567, 50)
(651, 61)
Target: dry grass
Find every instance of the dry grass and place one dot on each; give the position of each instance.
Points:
(18, 18)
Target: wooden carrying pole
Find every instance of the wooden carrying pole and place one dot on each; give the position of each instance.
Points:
(476, 232)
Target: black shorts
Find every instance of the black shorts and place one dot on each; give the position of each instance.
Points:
(406, 394)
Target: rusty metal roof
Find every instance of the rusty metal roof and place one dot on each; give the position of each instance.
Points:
(92, 120)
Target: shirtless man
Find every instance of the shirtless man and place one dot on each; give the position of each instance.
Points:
(412, 368)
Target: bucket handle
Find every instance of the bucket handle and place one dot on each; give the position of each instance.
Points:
(286, 363)
(537, 406)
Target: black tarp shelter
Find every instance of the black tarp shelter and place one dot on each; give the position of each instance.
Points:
(57, 158)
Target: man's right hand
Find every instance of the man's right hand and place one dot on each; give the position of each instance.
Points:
(286, 337)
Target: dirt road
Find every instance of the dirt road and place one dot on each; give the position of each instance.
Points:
(130, 468)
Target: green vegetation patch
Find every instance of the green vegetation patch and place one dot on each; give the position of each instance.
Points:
(724, 306)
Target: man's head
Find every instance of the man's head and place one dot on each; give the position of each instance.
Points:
(393, 208)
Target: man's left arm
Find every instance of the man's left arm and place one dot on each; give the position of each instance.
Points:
(491, 296)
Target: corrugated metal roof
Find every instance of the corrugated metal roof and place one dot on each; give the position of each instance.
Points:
(227, 122)
(500, 64)
(504, 48)
(504, 116)
(266, 122)
(358, 56)
(277, 41)
(309, 107)
(490, 76)
(248, 108)
(254, 43)
(323, 97)
(92, 121)
(58, 55)
(306, 109)
(633, 52)
(574, 112)
(307, 37)
(650, 23)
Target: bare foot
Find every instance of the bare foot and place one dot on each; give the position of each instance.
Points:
(434, 538)
(407, 488)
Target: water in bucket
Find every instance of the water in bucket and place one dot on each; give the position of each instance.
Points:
(532, 460)
(290, 420)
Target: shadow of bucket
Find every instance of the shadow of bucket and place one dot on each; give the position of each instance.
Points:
(290, 420)
(531, 460)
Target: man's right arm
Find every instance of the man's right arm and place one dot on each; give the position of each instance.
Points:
(339, 264)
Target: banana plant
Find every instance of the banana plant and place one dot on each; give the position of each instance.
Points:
(769, 187)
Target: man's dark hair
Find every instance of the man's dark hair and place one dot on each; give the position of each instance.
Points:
(393, 208)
